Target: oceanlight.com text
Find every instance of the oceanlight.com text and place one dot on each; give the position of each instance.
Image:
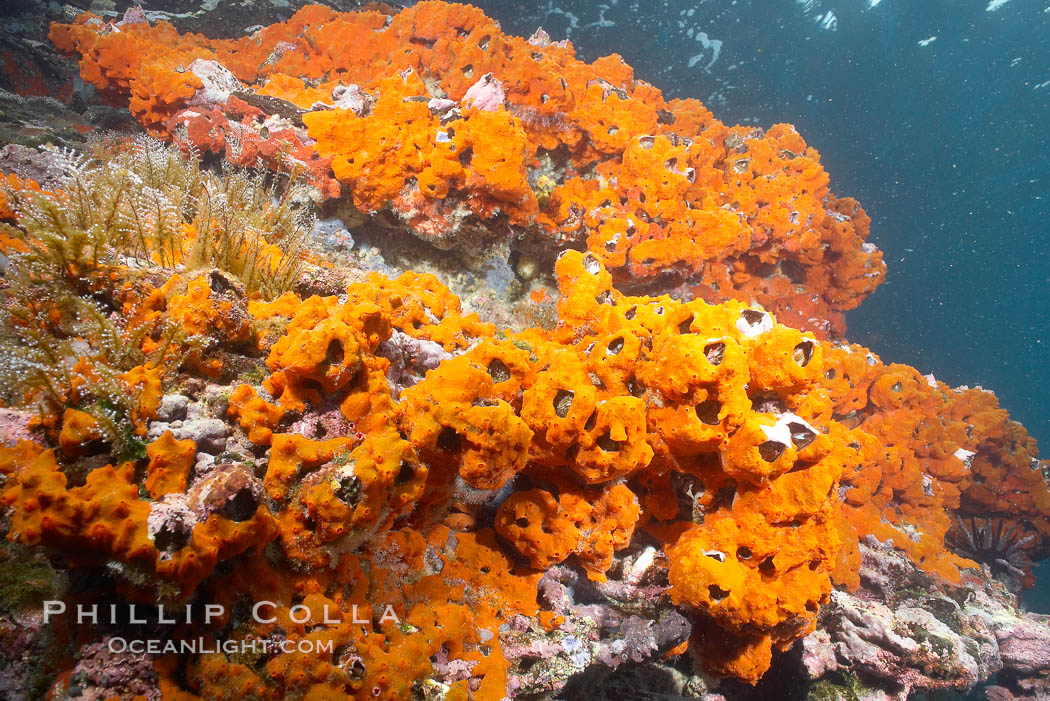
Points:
(230, 647)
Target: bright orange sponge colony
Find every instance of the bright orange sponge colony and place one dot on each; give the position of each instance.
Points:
(465, 134)
(754, 455)
(399, 451)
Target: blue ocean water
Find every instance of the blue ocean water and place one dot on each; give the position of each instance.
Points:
(934, 115)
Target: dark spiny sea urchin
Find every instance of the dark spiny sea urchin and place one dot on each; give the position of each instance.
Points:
(984, 541)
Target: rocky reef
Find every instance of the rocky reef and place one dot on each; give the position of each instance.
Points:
(381, 354)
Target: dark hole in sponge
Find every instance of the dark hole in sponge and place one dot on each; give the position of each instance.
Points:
(218, 282)
(753, 317)
(349, 490)
(768, 404)
(172, 538)
(724, 497)
(242, 507)
(707, 411)
(803, 353)
(334, 354)
(716, 592)
(563, 402)
(767, 566)
(405, 474)
(801, 435)
(771, 450)
(795, 271)
(498, 371)
(606, 443)
(715, 352)
(448, 440)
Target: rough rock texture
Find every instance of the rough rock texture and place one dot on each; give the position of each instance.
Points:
(31, 650)
(904, 632)
(101, 674)
(594, 631)
(15, 426)
(199, 421)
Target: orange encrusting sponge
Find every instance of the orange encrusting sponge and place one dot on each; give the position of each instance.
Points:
(466, 134)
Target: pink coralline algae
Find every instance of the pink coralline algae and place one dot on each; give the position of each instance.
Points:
(486, 94)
